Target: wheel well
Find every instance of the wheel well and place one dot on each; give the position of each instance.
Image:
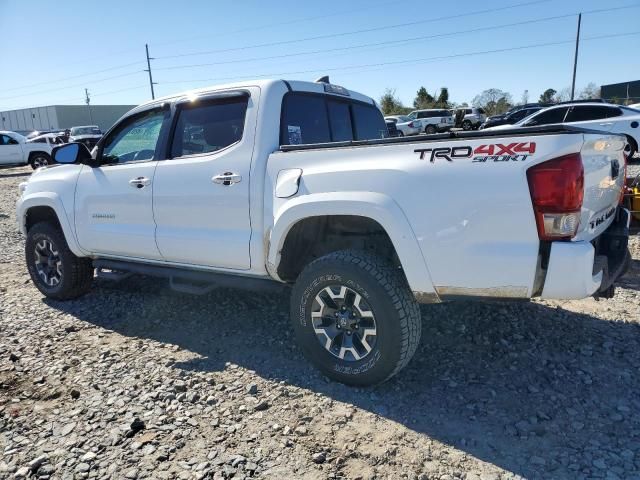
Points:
(314, 237)
(31, 154)
(41, 214)
(632, 143)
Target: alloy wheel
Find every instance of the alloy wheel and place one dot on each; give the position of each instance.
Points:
(344, 323)
(48, 263)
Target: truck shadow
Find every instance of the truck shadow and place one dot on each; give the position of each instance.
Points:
(537, 390)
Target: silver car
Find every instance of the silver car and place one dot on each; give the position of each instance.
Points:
(405, 125)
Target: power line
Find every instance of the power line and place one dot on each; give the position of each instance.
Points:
(70, 78)
(289, 22)
(390, 42)
(355, 32)
(410, 61)
(73, 86)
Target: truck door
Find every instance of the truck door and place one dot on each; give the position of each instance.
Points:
(201, 193)
(113, 203)
(10, 150)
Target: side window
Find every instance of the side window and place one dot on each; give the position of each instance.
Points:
(135, 139)
(304, 120)
(583, 113)
(368, 122)
(208, 127)
(423, 114)
(7, 140)
(468, 111)
(340, 120)
(554, 115)
(613, 112)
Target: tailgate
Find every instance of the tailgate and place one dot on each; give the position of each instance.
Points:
(604, 172)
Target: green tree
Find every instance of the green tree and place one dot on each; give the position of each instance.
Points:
(547, 96)
(494, 101)
(443, 98)
(390, 103)
(423, 99)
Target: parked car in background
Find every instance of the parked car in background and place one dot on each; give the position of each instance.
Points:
(15, 149)
(510, 118)
(433, 120)
(469, 118)
(52, 139)
(405, 125)
(593, 115)
(88, 134)
(392, 129)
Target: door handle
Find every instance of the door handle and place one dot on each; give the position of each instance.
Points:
(139, 182)
(227, 178)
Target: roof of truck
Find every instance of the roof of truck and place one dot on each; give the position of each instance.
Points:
(264, 84)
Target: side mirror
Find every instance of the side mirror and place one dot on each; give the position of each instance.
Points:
(71, 153)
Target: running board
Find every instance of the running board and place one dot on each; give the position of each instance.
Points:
(185, 280)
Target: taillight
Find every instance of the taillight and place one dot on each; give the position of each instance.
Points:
(557, 190)
(410, 124)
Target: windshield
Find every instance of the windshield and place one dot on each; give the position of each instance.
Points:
(85, 131)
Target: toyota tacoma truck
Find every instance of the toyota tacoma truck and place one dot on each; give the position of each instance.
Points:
(274, 183)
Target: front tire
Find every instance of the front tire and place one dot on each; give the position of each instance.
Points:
(53, 268)
(430, 130)
(466, 125)
(355, 318)
(39, 159)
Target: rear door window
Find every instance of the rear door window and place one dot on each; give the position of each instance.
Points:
(304, 120)
(584, 113)
(340, 119)
(208, 127)
(368, 122)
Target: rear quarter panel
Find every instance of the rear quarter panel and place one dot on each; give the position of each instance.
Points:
(472, 217)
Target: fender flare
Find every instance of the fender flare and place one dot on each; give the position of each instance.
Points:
(53, 201)
(376, 206)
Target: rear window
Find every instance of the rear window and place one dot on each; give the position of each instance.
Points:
(309, 118)
(340, 119)
(209, 126)
(583, 113)
(369, 123)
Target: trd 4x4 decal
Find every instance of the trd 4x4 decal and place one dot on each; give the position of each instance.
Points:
(496, 152)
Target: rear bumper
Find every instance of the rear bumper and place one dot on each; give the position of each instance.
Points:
(580, 269)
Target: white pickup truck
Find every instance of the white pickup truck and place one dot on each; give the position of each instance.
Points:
(273, 183)
(16, 149)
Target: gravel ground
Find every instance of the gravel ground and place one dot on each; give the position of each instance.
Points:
(136, 381)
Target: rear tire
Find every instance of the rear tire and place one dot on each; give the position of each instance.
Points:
(39, 159)
(632, 147)
(355, 318)
(53, 267)
(466, 125)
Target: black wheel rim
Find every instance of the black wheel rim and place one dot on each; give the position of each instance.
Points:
(40, 162)
(344, 323)
(48, 263)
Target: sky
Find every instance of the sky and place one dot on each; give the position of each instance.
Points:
(52, 51)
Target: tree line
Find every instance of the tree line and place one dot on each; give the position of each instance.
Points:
(493, 100)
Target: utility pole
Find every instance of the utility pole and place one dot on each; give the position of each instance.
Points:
(575, 58)
(151, 83)
(87, 101)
